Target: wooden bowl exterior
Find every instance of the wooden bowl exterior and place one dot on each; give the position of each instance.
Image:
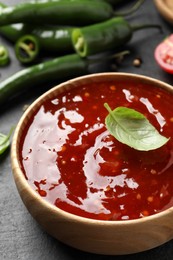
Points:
(101, 237)
(165, 7)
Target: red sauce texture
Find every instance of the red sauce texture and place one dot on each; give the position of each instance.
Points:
(71, 160)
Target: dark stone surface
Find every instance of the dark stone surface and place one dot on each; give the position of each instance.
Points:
(20, 236)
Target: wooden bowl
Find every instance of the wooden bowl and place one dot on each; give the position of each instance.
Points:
(95, 236)
(165, 8)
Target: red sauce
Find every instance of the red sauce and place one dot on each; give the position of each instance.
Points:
(72, 161)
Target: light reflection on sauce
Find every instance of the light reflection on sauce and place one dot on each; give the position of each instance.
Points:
(154, 111)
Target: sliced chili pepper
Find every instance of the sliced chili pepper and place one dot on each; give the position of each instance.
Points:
(164, 54)
(27, 49)
(73, 12)
(104, 36)
(4, 56)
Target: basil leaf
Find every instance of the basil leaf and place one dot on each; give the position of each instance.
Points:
(5, 141)
(132, 128)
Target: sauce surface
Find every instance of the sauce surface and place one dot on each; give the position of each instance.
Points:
(71, 160)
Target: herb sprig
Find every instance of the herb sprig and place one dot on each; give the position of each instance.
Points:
(5, 141)
(132, 128)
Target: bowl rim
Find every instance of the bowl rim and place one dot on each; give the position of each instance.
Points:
(164, 9)
(17, 172)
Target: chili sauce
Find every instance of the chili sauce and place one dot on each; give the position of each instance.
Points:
(70, 159)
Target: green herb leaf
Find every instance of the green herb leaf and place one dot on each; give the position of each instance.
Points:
(5, 141)
(132, 128)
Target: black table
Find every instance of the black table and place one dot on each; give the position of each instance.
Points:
(20, 236)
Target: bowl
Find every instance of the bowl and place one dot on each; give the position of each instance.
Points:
(109, 237)
(165, 8)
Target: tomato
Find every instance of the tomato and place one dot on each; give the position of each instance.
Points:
(164, 54)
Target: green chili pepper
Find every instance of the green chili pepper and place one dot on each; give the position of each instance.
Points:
(51, 39)
(4, 56)
(104, 36)
(59, 68)
(27, 49)
(73, 12)
(12, 32)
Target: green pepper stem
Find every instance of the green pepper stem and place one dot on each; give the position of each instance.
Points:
(115, 56)
(145, 26)
(133, 9)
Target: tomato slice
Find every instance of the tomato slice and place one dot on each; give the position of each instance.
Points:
(164, 54)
